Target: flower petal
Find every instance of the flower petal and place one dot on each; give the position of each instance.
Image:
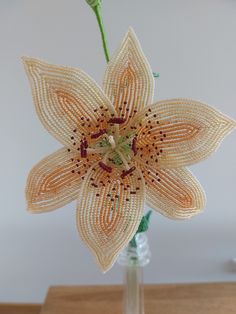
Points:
(128, 80)
(175, 193)
(109, 212)
(179, 132)
(55, 181)
(68, 102)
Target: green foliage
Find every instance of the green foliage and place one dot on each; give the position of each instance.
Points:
(155, 74)
(144, 224)
(143, 227)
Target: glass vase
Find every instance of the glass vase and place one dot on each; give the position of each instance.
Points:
(135, 256)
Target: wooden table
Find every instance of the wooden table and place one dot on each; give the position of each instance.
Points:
(214, 298)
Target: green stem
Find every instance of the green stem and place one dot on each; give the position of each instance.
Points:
(98, 13)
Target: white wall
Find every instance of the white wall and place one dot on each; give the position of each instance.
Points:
(193, 45)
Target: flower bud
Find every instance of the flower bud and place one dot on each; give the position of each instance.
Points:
(94, 3)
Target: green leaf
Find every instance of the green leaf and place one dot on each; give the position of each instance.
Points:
(144, 223)
(143, 226)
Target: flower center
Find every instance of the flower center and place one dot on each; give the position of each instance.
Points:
(114, 149)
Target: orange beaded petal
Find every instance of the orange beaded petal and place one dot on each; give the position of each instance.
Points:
(55, 180)
(68, 102)
(174, 193)
(179, 132)
(109, 212)
(128, 80)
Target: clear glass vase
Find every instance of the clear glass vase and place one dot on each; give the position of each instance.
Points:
(133, 258)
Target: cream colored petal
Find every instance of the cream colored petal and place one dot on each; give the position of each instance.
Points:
(128, 80)
(175, 193)
(179, 132)
(109, 212)
(55, 181)
(68, 102)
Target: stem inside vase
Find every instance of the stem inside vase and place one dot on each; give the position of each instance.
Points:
(133, 258)
(133, 290)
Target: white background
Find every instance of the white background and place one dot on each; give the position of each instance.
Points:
(193, 45)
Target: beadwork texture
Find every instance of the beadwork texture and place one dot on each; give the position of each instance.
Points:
(120, 149)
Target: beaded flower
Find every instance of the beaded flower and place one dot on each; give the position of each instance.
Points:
(120, 149)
